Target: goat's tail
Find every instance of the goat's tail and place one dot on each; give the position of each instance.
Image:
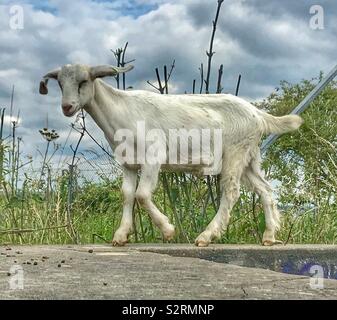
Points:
(279, 125)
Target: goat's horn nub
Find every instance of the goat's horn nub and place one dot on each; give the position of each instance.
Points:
(124, 69)
(107, 70)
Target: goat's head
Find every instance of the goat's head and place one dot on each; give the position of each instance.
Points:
(76, 83)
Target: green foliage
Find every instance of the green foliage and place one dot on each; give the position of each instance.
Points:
(305, 163)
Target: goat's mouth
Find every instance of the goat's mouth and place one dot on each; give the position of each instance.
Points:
(69, 113)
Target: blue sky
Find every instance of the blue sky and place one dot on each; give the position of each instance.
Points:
(129, 7)
(264, 40)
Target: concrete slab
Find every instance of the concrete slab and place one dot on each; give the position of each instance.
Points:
(294, 259)
(150, 272)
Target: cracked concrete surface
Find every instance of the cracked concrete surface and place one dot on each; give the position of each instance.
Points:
(152, 272)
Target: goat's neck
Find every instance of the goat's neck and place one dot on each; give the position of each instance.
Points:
(107, 108)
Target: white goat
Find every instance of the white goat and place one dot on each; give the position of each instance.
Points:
(242, 127)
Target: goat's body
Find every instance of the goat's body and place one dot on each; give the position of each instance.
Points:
(233, 126)
(241, 123)
(223, 111)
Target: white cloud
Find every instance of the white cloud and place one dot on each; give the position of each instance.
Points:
(8, 73)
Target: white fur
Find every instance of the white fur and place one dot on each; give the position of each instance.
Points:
(242, 125)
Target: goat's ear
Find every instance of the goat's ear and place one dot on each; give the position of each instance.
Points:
(107, 70)
(43, 86)
(50, 75)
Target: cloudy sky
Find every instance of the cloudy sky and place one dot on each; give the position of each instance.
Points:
(264, 40)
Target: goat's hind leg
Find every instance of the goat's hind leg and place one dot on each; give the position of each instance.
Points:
(126, 227)
(147, 184)
(230, 182)
(253, 178)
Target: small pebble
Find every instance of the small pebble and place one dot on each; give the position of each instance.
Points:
(63, 261)
(28, 262)
(8, 249)
(90, 251)
(35, 263)
(45, 257)
(59, 265)
(105, 284)
(9, 274)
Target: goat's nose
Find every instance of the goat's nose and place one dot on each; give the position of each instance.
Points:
(66, 107)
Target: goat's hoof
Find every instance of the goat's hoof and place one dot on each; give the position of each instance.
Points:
(201, 241)
(269, 243)
(119, 240)
(116, 243)
(169, 233)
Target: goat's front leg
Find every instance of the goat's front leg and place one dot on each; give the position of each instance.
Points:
(126, 227)
(147, 184)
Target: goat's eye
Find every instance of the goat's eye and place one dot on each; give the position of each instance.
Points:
(82, 83)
